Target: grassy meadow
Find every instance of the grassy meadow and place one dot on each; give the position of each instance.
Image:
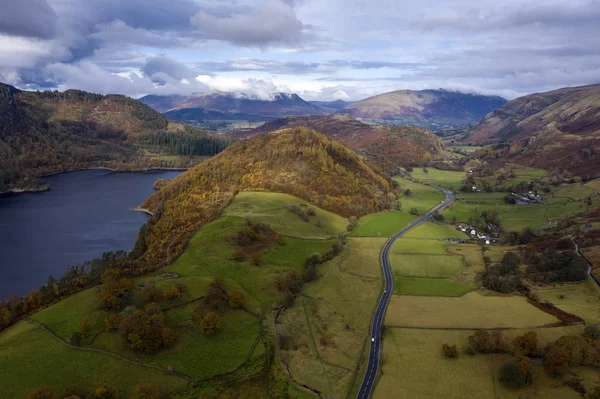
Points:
(422, 197)
(383, 224)
(443, 178)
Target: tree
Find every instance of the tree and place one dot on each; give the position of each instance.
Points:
(106, 392)
(210, 323)
(236, 299)
(86, 327)
(42, 393)
(595, 394)
(113, 288)
(5, 317)
(150, 293)
(414, 211)
(172, 293)
(526, 345)
(77, 338)
(112, 322)
(512, 376)
(450, 351)
(524, 364)
(592, 332)
(146, 330)
(146, 391)
(556, 361)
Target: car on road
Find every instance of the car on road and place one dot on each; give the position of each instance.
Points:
(372, 339)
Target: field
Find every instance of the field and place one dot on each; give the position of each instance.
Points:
(30, 358)
(384, 224)
(422, 197)
(429, 287)
(581, 299)
(432, 230)
(426, 265)
(209, 254)
(329, 324)
(273, 209)
(414, 367)
(443, 178)
(472, 310)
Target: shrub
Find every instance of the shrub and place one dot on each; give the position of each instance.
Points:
(146, 391)
(236, 299)
(450, 351)
(592, 332)
(151, 293)
(106, 392)
(112, 322)
(42, 393)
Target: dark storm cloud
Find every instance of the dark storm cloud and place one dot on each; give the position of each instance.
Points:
(29, 18)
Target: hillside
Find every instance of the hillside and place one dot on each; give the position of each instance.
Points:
(387, 147)
(202, 114)
(559, 129)
(299, 162)
(49, 132)
(435, 109)
(279, 105)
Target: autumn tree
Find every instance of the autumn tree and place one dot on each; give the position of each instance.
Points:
(526, 345)
(236, 299)
(112, 322)
(210, 323)
(145, 330)
(5, 317)
(524, 364)
(86, 327)
(113, 288)
(42, 393)
(151, 293)
(172, 293)
(106, 392)
(556, 361)
(146, 391)
(450, 351)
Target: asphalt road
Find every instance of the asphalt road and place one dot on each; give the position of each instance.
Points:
(374, 353)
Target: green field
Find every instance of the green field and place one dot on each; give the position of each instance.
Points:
(443, 178)
(30, 358)
(435, 231)
(273, 209)
(408, 246)
(429, 287)
(426, 265)
(422, 197)
(384, 224)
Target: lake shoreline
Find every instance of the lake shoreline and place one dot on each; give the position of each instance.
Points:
(46, 187)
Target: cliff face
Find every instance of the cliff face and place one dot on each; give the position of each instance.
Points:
(9, 109)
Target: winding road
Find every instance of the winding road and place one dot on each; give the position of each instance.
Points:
(374, 353)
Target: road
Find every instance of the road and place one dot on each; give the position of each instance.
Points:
(374, 353)
(590, 266)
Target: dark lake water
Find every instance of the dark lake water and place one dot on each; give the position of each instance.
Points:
(84, 214)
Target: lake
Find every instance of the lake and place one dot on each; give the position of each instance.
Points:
(84, 214)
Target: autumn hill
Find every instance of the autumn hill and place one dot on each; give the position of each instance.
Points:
(390, 148)
(300, 162)
(48, 132)
(556, 129)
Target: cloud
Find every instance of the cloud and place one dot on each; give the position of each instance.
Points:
(160, 68)
(28, 18)
(270, 23)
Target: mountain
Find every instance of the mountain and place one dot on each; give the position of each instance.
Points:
(331, 106)
(202, 114)
(298, 161)
(556, 129)
(434, 109)
(387, 147)
(49, 132)
(279, 105)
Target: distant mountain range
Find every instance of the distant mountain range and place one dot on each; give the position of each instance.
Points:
(556, 129)
(388, 147)
(281, 104)
(435, 109)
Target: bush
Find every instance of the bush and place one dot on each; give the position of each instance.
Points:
(236, 299)
(210, 323)
(450, 351)
(414, 211)
(146, 391)
(592, 332)
(42, 393)
(106, 392)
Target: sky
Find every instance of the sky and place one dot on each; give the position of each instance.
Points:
(319, 49)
